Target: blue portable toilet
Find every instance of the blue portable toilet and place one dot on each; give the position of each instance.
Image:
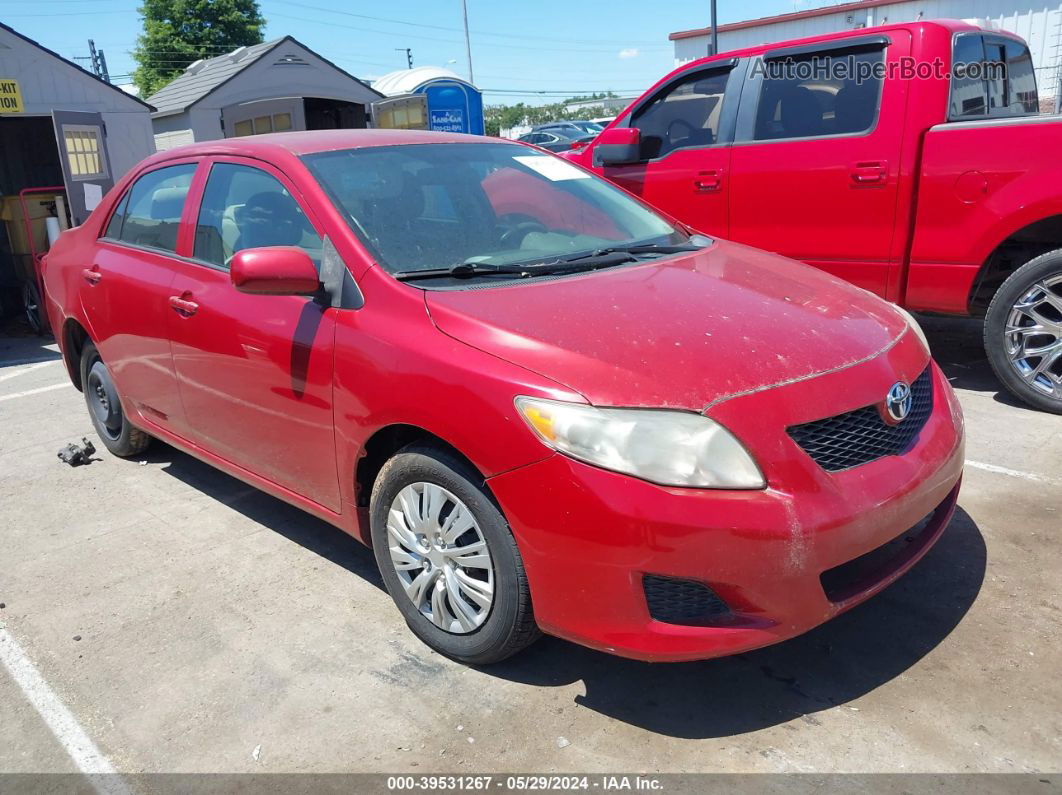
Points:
(452, 104)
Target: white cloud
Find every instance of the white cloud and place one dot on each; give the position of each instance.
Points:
(630, 52)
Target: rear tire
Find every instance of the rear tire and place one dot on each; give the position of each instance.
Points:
(105, 407)
(1023, 332)
(477, 613)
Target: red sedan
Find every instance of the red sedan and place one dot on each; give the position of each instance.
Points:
(546, 406)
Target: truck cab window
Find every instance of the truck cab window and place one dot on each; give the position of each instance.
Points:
(1006, 86)
(796, 104)
(685, 114)
(1021, 79)
(968, 91)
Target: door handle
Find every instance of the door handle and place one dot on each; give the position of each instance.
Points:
(92, 275)
(869, 173)
(183, 306)
(707, 181)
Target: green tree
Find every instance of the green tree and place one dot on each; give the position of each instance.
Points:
(178, 32)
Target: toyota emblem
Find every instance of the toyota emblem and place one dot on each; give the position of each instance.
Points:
(898, 401)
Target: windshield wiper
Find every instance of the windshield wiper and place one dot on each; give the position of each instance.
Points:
(464, 270)
(645, 248)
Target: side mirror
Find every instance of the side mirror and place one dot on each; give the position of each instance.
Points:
(617, 146)
(276, 270)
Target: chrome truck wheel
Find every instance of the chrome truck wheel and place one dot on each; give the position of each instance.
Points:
(1023, 332)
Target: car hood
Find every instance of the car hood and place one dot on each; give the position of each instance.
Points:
(679, 333)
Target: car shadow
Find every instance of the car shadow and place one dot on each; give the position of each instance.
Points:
(835, 663)
(309, 532)
(957, 344)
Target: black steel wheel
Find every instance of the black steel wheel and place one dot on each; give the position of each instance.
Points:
(105, 407)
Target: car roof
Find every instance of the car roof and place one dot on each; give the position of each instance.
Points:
(308, 142)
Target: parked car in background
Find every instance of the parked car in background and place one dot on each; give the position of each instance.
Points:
(553, 138)
(942, 195)
(544, 405)
(588, 127)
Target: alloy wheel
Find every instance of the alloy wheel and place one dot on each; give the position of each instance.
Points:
(441, 557)
(1033, 336)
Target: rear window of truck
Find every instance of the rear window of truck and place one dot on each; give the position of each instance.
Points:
(991, 77)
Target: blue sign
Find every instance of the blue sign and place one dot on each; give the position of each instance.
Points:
(448, 120)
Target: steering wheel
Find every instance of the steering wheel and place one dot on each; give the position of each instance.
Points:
(515, 236)
(671, 138)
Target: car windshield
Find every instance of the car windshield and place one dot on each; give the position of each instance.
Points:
(431, 206)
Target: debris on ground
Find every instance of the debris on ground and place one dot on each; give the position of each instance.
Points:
(563, 742)
(76, 455)
(256, 754)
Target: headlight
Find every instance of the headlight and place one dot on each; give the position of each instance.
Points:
(672, 448)
(915, 327)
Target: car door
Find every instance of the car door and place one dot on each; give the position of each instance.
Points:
(255, 371)
(815, 168)
(126, 289)
(685, 128)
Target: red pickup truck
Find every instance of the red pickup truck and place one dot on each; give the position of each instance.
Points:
(908, 159)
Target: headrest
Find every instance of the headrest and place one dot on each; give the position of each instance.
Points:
(168, 203)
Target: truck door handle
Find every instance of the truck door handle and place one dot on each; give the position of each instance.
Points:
(183, 306)
(707, 181)
(874, 172)
(92, 275)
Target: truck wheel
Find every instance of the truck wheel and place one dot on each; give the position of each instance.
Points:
(105, 407)
(1023, 332)
(448, 558)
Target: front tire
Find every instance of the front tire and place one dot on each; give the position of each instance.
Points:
(1023, 332)
(105, 407)
(448, 557)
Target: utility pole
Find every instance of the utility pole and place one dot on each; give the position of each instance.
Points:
(468, 44)
(409, 56)
(101, 67)
(97, 61)
(715, 33)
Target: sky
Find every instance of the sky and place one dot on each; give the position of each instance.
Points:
(521, 51)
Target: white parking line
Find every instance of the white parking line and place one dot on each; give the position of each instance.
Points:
(36, 391)
(101, 773)
(1013, 473)
(28, 368)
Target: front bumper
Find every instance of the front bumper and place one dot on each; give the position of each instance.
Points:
(588, 537)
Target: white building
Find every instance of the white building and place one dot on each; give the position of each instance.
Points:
(1039, 23)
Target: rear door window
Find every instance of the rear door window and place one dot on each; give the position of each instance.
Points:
(683, 115)
(810, 96)
(150, 213)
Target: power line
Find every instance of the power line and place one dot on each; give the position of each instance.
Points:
(579, 41)
(329, 23)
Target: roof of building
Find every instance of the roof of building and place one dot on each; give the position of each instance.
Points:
(203, 77)
(66, 62)
(406, 81)
(794, 15)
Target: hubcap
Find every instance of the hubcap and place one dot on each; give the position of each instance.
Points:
(1033, 336)
(441, 557)
(103, 400)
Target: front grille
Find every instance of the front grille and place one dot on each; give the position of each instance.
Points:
(861, 436)
(677, 601)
